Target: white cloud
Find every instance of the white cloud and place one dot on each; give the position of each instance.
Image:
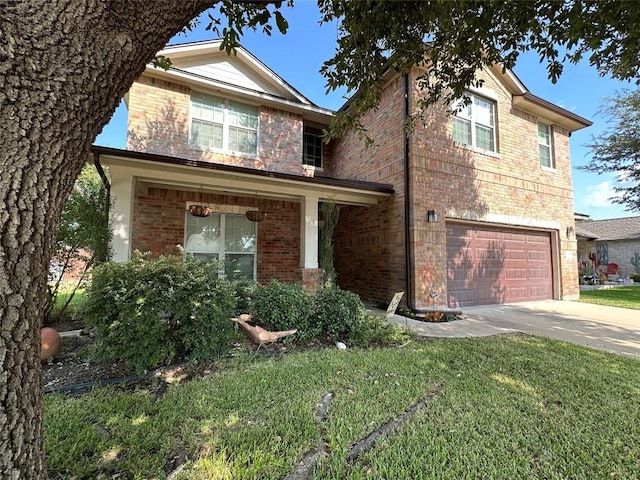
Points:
(599, 195)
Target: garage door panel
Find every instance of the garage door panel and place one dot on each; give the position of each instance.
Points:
(488, 265)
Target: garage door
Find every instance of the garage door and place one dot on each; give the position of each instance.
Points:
(487, 265)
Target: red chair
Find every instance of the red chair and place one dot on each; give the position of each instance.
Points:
(612, 269)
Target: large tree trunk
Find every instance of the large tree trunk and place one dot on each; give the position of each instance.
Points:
(64, 65)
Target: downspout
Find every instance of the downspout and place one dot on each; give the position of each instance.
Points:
(107, 187)
(408, 244)
(103, 176)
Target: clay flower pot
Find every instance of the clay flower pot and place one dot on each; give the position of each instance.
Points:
(50, 343)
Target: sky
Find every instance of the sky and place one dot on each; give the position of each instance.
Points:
(298, 56)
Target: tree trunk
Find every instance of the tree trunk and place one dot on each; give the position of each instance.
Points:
(64, 66)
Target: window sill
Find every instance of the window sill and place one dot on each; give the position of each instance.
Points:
(480, 151)
(548, 169)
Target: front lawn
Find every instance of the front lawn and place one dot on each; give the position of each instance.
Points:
(502, 407)
(625, 297)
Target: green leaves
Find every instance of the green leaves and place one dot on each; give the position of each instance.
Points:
(241, 15)
(450, 41)
(617, 150)
(150, 312)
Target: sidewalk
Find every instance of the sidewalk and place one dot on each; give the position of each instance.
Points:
(465, 327)
(611, 329)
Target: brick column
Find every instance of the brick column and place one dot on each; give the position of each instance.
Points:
(311, 278)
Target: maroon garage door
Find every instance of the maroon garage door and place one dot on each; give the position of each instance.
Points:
(487, 265)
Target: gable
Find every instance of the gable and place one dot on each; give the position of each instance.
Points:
(203, 61)
(230, 70)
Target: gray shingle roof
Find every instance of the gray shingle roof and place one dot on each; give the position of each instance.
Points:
(610, 229)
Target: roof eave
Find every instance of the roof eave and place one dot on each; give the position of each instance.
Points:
(310, 111)
(545, 109)
(376, 189)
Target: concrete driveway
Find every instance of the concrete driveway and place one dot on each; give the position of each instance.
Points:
(611, 329)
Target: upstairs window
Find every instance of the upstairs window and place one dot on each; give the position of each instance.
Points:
(545, 146)
(224, 125)
(312, 148)
(474, 124)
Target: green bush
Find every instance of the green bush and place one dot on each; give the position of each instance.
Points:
(282, 306)
(340, 312)
(635, 277)
(152, 312)
(377, 331)
(244, 290)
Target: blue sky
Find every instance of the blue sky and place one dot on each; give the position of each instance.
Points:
(298, 56)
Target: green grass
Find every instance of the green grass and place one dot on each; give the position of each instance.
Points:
(76, 302)
(625, 297)
(508, 407)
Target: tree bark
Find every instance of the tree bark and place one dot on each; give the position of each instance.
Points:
(64, 66)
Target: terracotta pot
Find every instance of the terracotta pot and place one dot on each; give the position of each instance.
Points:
(199, 210)
(50, 343)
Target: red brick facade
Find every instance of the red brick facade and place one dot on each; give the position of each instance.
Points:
(159, 119)
(507, 188)
(159, 227)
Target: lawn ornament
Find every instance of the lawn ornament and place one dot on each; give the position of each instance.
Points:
(259, 335)
(50, 343)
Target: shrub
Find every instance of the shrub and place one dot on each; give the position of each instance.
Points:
(377, 331)
(282, 306)
(152, 312)
(635, 277)
(244, 291)
(339, 312)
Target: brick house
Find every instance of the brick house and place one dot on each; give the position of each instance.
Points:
(486, 194)
(613, 240)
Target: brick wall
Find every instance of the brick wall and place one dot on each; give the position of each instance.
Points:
(369, 241)
(159, 123)
(159, 220)
(507, 188)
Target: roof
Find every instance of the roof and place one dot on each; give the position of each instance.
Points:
(521, 98)
(203, 66)
(252, 178)
(610, 229)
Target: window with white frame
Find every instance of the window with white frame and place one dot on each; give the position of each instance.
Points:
(545, 145)
(474, 124)
(224, 125)
(312, 148)
(231, 239)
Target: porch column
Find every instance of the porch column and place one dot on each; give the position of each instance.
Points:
(122, 185)
(309, 232)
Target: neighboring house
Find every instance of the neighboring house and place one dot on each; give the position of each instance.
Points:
(486, 195)
(615, 240)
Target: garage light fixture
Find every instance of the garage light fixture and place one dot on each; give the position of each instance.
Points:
(570, 231)
(432, 216)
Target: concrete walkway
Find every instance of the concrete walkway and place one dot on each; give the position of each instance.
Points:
(611, 329)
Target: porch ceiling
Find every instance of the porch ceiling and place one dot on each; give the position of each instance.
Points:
(172, 172)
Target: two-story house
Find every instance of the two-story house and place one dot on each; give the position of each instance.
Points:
(465, 209)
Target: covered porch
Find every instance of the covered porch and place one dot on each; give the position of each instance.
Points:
(152, 195)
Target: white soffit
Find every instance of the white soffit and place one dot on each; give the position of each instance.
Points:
(185, 177)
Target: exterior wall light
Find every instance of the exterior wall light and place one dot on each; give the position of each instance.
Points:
(570, 232)
(432, 216)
